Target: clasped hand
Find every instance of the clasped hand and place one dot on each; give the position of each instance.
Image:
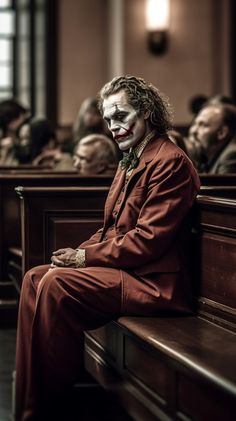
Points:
(63, 258)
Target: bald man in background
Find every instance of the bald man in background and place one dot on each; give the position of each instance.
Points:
(212, 139)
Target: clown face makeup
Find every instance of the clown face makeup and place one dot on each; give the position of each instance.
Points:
(127, 127)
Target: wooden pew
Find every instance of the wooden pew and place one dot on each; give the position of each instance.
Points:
(54, 217)
(218, 185)
(180, 368)
(166, 367)
(10, 231)
(10, 238)
(218, 180)
(219, 191)
(31, 168)
(22, 168)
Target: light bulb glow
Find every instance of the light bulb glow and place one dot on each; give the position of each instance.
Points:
(157, 15)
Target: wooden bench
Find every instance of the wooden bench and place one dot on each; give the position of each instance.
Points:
(218, 180)
(180, 368)
(54, 217)
(80, 207)
(166, 367)
(10, 235)
(23, 168)
(219, 191)
(10, 227)
(218, 185)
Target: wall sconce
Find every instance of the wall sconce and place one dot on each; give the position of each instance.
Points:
(157, 24)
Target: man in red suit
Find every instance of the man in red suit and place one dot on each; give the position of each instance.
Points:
(134, 265)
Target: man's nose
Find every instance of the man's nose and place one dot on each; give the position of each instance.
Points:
(193, 131)
(114, 127)
(77, 163)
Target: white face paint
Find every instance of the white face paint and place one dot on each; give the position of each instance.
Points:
(127, 128)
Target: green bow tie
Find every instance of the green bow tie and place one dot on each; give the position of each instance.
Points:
(129, 161)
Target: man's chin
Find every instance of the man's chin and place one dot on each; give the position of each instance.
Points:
(125, 146)
(123, 149)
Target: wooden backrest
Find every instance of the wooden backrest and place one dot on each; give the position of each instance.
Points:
(218, 185)
(10, 231)
(218, 179)
(55, 217)
(22, 168)
(219, 191)
(213, 256)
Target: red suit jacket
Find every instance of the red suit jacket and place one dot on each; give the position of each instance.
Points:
(145, 237)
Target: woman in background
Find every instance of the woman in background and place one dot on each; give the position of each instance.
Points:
(12, 115)
(38, 139)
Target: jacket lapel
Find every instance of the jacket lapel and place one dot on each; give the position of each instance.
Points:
(149, 152)
(114, 192)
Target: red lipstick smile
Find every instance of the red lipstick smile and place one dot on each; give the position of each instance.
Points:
(128, 132)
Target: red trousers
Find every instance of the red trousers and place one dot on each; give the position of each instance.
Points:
(56, 306)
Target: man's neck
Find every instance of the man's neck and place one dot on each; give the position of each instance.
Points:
(131, 159)
(143, 142)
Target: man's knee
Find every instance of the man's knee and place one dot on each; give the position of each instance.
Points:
(52, 282)
(28, 276)
(33, 276)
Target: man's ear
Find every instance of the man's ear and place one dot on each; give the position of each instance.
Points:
(101, 167)
(146, 115)
(223, 132)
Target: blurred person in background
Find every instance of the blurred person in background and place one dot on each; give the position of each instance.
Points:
(43, 142)
(37, 144)
(95, 154)
(12, 115)
(211, 141)
(178, 139)
(196, 102)
(220, 99)
(23, 144)
(89, 120)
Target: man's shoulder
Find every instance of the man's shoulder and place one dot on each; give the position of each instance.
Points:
(168, 151)
(167, 159)
(231, 148)
(226, 162)
(229, 152)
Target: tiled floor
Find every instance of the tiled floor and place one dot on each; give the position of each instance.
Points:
(7, 365)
